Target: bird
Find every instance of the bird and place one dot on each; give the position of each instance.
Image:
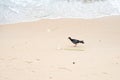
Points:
(75, 41)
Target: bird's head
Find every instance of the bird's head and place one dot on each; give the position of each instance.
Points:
(69, 37)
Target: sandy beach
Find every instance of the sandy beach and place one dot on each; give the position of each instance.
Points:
(40, 50)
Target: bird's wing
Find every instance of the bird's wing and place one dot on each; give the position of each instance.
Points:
(75, 41)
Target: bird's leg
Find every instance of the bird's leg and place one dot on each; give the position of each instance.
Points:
(75, 45)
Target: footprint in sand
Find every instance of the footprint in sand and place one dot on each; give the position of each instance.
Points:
(29, 62)
(33, 71)
(105, 73)
(50, 77)
(12, 59)
(12, 46)
(1, 59)
(64, 68)
(37, 59)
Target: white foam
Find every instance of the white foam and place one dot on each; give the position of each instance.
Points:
(13, 11)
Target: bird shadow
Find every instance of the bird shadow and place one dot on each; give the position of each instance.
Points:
(72, 48)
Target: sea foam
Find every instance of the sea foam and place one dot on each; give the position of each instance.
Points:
(14, 11)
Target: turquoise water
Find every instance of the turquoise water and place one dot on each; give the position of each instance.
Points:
(14, 11)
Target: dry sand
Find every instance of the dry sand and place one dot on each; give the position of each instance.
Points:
(41, 50)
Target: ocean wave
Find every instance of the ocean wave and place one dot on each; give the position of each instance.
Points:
(14, 11)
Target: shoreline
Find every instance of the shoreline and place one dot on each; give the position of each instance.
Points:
(26, 21)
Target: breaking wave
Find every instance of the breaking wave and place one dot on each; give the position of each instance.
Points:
(14, 11)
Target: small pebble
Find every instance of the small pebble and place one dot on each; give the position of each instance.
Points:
(99, 40)
(33, 71)
(13, 47)
(38, 59)
(73, 62)
(50, 77)
(117, 63)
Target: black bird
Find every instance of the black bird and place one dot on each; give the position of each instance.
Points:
(75, 41)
